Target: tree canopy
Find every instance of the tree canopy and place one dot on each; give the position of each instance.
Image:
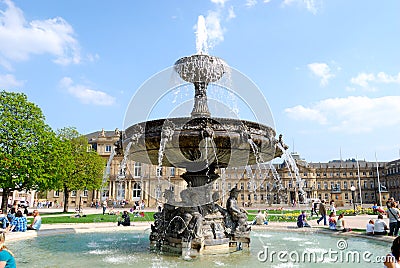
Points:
(27, 146)
(82, 168)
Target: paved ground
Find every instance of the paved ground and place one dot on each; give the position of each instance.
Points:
(358, 222)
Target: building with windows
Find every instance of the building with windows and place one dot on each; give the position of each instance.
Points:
(260, 184)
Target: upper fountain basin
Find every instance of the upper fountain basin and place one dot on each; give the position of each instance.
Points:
(200, 142)
(200, 68)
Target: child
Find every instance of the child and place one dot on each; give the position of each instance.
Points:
(332, 221)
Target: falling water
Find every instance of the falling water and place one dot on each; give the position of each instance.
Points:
(260, 161)
(107, 171)
(223, 175)
(201, 36)
(290, 162)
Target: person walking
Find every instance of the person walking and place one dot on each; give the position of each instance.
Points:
(322, 212)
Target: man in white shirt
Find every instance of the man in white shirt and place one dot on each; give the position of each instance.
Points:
(380, 227)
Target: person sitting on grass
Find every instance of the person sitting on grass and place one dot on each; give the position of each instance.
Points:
(380, 227)
(126, 220)
(260, 219)
(340, 224)
(370, 228)
(332, 221)
(302, 220)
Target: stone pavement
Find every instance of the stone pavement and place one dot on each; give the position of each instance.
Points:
(354, 222)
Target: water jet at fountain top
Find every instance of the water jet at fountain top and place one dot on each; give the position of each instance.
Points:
(201, 36)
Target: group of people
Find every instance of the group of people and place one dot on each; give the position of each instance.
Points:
(16, 221)
(137, 207)
(379, 227)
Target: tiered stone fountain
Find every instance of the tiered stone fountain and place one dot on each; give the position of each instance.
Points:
(201, 144)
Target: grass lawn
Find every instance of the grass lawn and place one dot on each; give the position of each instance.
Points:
(52, 218)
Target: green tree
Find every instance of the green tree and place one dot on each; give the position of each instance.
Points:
(27, 145)
(81, 168)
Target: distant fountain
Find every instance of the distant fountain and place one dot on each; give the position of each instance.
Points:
(200, 144)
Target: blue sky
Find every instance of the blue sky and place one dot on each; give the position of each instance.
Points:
(330, 70)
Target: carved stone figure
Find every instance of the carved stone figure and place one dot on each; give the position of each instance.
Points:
(237, 216)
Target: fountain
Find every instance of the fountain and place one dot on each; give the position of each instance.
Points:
(201, 144)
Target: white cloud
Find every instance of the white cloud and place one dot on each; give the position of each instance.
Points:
(300, 112)
(322, 71)
(231, 13)
(251, 3)
(266, 1)
(365, 79)
(20, 39)
(85, 94)
(219, 2)
(215, 31)
(351, 114)
(8, 81)
(310, 5)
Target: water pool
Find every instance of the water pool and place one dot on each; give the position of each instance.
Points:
(130, 249)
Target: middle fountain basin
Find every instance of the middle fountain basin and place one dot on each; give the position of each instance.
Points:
(196, 143)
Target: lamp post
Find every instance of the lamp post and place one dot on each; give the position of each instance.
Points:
(353, 189)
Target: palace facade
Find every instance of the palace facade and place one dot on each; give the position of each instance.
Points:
(260, 184)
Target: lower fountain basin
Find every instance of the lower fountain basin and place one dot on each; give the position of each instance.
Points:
(197, 143)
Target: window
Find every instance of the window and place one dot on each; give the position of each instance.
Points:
(136, 191)
(261, 197)
(346, 196)
(137, 170)
(345, 185)
(172, 171)
(216, 186)
(56, 193)
(365, 185)
(229, 185)
(73, 193)
(159, 172)
(326, 187)
(255, 197)
(241, 186)
(326, 197)
(242, 196)
(108, 148)
(89, 148)
(85, 192)
(318, 185)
